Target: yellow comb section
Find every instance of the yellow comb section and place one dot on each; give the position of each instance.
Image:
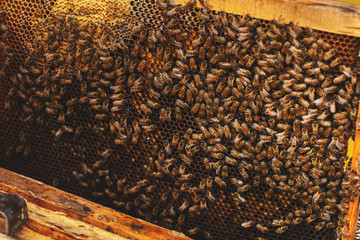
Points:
(350, 151)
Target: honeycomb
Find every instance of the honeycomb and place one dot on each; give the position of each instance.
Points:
(30, 148)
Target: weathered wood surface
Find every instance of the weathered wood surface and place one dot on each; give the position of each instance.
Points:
(23, 234)
(6, 237)
(324, 15)
(26, 233)
(50, 200)
(59, 226)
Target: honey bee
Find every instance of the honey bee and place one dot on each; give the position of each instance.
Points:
(182, 104)
(270, 182)
(262, 228)
(210, 196)
(248, 224)
(339, 79)
(162, 115)
(178, 113)
(281, 230)
(256, 181)
(269, 193)
(149, 128)
(184, 206)
(203, 204)
(195, 108)
(182, 92)
(192, 88)
(239, 199)
(167, 54)
(231, 161)
(228, 118)
(320, 226)
(330, 54)
(297, 221)
(244, 188)
(342, 208)
(236, 182)
(217, 155)
(343, 232)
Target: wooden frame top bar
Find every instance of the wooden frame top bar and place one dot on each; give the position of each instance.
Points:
(42, 196)
(324, 15)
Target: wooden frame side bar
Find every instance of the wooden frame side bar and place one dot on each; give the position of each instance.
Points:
(353, 213)
(323, 15)
(50, 198)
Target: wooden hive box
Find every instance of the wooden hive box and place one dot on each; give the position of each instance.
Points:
(76, 218)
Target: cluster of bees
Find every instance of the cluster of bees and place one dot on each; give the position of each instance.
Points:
(6, 52)
(268, 109)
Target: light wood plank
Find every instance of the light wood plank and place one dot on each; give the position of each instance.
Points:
(6, 237)
(353, 213)
(22, 234)
(27, 234)
(78, 208)
(59, 226)
(324, 15)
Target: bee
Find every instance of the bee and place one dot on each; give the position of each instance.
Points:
(167, 54)
(256, 181)
(224, 65)
(234, 106)
(277, 223)
(231, 161)
(244, 188)
(261, 155)
(199, 136)
(329, 54)
(342, 208)
(270, 182)
(192, 88)
(228, 118)
(184, 206)
(145, 109)
(336, 62)
(181, 92)
(245, 130)
(262, 228)
(239, 199)
(248, 116)
(320, 226)
(217, 155)
(149, 128)
(325, 217)
(297, 221)
(189, 96)
(339, 79)
(193, 231)
(182, 104)
(248, 224)
(343, 232)
(106, 153)
(269, 193)
(185, 159)
(203, 204)
(162, 115)
(281, 230)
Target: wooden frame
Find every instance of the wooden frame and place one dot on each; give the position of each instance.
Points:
(353, 213)
(324, 15)
(54, 214)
